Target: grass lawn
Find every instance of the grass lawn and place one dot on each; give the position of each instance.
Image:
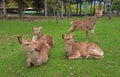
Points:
(13, 55)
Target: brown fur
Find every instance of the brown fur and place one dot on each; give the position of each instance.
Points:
(28, 19)
(86, 25)
(39, 36)
(81, 49)
(37, 52)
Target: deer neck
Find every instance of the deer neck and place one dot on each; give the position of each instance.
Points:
(39, 35)
(32, 54)
(68, 48)
(95, 18)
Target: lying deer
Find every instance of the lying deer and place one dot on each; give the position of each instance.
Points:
(86, 25)
(28, 19)
(80, 50)
(37, 52)
(38, 35)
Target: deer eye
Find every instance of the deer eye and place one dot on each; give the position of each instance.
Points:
(27, 44)
(68, 39)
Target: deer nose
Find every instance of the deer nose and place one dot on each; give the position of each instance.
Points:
(102, 15)
(37, 49)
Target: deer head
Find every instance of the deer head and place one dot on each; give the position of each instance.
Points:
(68, 39)
(28, 44)
(37, 30)
(99, 13)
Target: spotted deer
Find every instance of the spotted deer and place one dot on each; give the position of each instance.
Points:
(86, 25)
(38, 35)
(80, 49)
(37, 52)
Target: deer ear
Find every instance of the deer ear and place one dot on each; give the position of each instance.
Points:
(20, 39)
(102, 10)
(96, 11)
(71, 35)
(63, 35)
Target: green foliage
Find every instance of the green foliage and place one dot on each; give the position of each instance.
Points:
(73, 7)
(13, 55)
(85, 7)
(29, 3)
(116, 5)
(54, 5)
(11, 3)
(37, 4)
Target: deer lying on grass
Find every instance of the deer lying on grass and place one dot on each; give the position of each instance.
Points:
(37, 52)
(28, 19)
(80, 50)
(86, 25)
(38, 35)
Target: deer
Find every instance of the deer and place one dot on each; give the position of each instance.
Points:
(75, 50)
(37, 52)
(38, 35)
(86, 25)
(28, 19)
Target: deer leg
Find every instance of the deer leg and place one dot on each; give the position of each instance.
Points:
(93, 33)
(29, 63)
(86, 35)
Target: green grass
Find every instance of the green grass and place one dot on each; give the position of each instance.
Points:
(13, 55)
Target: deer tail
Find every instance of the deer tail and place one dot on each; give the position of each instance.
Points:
(102, 53)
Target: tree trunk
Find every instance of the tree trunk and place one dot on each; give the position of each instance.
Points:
(4, 9)
(94, 6)
(80, 9)
(100, 5)
(0, 12)
(104, 8)
(62, 9)
(46, 8)
(65, 9)
(57, 17)
(91, 7)
(77, 8)
(20, 3)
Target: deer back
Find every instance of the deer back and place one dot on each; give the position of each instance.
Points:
(48, 40)
(85, 50)
(87, 24)
(42, 51)
(94, 51)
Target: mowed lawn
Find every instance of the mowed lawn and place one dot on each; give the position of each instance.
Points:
(13, 55)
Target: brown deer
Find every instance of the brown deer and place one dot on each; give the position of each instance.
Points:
(86, 25)
(80, 49)
(27, 19)
(38, 35)
(37, 52)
